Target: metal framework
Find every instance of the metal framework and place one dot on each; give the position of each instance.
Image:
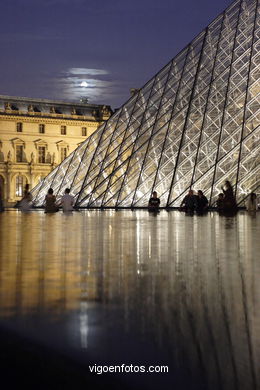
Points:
(193, 125)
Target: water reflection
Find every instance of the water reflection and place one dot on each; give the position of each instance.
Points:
(189, 284)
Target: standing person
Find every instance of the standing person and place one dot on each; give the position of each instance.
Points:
(25, 203)
(67, 201)
(154, 202)
(202, 203)
(251, 204)
(189, 202)
(229, 203)
(50, 202)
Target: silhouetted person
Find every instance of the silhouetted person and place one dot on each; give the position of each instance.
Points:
(67, 201)
(251, 204)
(50, 202)
(154, 202)
(188, 203)
(220, 202)
(229, 205)
(202, 203)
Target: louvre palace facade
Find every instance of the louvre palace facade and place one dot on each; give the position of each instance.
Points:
(36, 135)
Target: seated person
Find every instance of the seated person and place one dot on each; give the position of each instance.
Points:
(189, 202)
(67, 201)
(251, 204)
(202, 203)
(229, 201)
(220, 202)
(50, 202)
(154, 202)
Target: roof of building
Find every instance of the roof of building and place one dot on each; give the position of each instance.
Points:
(46, 107)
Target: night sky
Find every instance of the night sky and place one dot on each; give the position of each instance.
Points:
(66, 49)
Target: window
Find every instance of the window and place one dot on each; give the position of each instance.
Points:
(41, 128)
(84, 131)
(63, 130)
(19, 127)
(41, 154)
(19, 153)
(19, 185)
(63, 154)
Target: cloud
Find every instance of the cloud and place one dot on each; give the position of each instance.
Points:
(100, 87)
(70, 81)
(85, 72)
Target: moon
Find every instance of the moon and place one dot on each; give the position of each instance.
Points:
(84, 84)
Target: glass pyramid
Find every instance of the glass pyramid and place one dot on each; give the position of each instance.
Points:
(194, 125)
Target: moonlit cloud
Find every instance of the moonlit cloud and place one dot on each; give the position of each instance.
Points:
(86, 71)
(51, 47)
(93, 83)
(84, 84)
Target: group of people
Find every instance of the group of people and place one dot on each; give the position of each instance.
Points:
(66, 202)
(226, 202)
(198, 203)
(51, 205)
(190, 203)
(194, 203)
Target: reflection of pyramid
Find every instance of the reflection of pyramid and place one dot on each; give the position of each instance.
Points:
(195, 124)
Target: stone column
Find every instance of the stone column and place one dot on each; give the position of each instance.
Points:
(9, 169)
(32, 171)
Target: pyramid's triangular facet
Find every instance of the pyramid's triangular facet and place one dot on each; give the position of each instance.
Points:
(195, 124)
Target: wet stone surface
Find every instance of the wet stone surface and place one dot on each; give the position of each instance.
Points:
(107, 288)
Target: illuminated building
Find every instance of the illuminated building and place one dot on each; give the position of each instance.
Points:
(36, 135)
(194, 125)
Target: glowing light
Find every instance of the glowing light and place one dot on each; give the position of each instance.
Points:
(84, 84)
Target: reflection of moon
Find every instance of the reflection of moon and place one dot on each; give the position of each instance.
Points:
(84, 84)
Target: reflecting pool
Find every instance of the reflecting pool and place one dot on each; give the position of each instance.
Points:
(114, 287)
